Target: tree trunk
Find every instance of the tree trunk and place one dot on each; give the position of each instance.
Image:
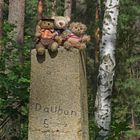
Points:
(68, 7)
(54, 11)
(1, 23)
(133, 124)
(39, 9)
(97, 33)
(16, 17)
(81, 8)
(106, 68)
(97, 37)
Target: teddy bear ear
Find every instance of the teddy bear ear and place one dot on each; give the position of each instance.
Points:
(67, 18)
(85, 27)
(39, 22)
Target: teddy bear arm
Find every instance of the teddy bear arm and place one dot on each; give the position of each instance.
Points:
(82, 46)
(58, 39)
(67, 45)
(85, 38)
(38, 31)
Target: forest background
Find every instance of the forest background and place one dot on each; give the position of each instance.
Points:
(15, 65)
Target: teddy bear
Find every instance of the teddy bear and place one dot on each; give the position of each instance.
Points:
(61, 24)
(76, 36)
(45, 35)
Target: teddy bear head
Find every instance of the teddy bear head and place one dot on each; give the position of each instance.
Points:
(61, 22)
(46, 23)
(78, 28)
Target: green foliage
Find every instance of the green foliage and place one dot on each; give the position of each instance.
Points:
(14, 77)
(135, 132)
(118, 129)
(126, 90)
(60, 7)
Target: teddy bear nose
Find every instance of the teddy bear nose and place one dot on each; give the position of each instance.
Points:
(61, 23)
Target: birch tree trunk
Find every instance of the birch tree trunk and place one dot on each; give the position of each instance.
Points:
(106, 68)
(68, 8)
(1, 22)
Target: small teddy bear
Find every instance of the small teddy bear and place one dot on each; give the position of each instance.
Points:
(61, 24)
(76, 37)
(45, 35)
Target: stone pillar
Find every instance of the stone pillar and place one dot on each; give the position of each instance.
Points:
(58, 98)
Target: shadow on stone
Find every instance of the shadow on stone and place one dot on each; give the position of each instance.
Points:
(40, 58)
(53, 54)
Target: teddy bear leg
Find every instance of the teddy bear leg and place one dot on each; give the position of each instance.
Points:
(82, 46)
(67, 45)
(40, 49)
(59, 40)
(77, 45)
(54, 47)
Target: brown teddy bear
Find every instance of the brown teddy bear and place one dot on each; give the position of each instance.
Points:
(61, 25)
(46, 34)
(76, 36)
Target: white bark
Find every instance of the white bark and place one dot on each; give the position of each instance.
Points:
(106, 68)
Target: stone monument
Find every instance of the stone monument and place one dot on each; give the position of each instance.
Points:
(58, 97)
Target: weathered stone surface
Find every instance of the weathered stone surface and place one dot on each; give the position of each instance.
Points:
(58, 97)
